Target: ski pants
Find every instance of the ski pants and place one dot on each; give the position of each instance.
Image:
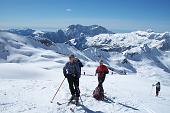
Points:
(100, 85)
(157, 91)
(74, 85)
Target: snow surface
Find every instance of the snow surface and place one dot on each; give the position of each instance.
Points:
(31, 73)
(29, 88)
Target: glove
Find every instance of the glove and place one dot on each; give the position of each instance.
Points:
(65, 75)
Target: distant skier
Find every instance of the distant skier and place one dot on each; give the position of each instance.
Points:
(158, 87)
(72, 72)
(101, 70)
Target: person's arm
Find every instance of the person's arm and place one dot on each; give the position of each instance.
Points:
(77, 67)
(98, 70)
(81, 65)
(64, 70)
(106, 71)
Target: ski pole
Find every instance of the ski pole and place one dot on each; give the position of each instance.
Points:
(81, 100)
(57, 90)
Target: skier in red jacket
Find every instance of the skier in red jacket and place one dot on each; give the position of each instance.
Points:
(101, 70)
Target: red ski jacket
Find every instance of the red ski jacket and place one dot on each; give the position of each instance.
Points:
(102, 70)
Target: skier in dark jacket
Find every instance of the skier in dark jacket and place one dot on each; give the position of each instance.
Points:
(158, 88)
(72, 72)
(101, 70)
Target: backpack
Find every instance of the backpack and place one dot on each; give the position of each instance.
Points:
(98, 94)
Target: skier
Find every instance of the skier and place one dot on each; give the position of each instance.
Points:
(101, 70)
(158, 87)
(72, 72)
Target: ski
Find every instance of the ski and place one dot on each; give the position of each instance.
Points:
(58, 103)
(75, 105)
(74, 102)
(68, 103)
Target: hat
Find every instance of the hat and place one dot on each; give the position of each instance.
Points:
(71, 56)
(101, 61)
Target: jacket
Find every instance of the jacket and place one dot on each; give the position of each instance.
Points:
(102, 70)
(72, 69)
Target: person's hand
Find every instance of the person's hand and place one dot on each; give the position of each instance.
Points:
(65, 75)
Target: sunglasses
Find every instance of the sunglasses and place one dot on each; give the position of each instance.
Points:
(71, 57)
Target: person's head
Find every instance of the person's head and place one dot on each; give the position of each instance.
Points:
(101, 62)
(76, 59)
(71, 58)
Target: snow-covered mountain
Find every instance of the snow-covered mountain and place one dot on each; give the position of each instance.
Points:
(83, 37)
(61, 36)
(115, 49)
(125, 41)
(15, 48)
(24, 31)
(32, 64)
(78, 31)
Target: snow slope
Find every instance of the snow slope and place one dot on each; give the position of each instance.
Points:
(31, 72)
(17, 48)
(33, 92)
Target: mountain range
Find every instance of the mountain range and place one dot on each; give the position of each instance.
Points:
(32, 61)
(92, 43)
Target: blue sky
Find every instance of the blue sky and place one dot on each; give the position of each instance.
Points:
(123, 15)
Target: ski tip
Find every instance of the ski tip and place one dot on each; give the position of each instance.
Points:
(59, 103)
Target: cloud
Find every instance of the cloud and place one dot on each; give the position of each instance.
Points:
(68, 10)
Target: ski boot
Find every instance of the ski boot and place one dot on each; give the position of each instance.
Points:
(76, 101)
(71, 98)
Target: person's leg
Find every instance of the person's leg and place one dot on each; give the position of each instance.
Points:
(99, 81)
(76, 85)
(100, 85)
(102, 90)
(71, 87)
(156, 93)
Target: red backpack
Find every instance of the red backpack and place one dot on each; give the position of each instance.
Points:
(98, 94)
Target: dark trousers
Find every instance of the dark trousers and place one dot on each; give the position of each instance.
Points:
(74, 85)
(157, 91)
(100, 85)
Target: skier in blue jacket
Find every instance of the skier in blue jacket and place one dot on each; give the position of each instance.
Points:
(72, 71)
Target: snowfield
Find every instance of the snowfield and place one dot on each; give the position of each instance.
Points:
(31, 72)
(32, 94)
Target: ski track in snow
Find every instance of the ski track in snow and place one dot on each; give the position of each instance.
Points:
(148, 109)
